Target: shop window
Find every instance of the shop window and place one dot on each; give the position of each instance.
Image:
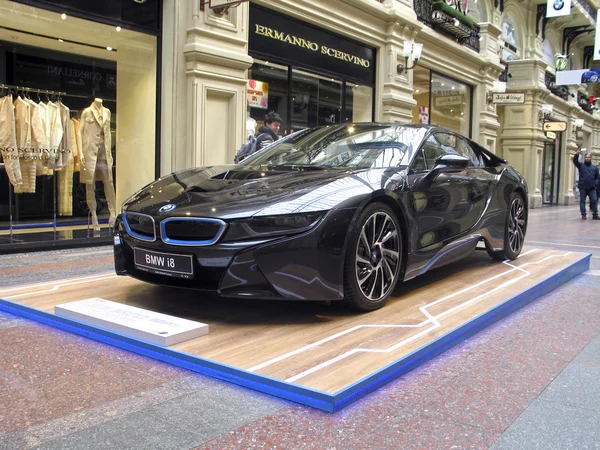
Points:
(450, 104)
(441, 101)
(269, 85)
(89, 90)
(314, 100)
(512, 43)
(359, 103)
(548, 53)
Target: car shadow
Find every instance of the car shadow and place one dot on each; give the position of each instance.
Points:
(209, 308)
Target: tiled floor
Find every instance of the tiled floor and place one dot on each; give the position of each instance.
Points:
(527, 382)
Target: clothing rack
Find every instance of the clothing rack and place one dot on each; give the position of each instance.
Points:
(27, 90)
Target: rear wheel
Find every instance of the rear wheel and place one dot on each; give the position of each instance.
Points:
(373, 259)
(514, 230)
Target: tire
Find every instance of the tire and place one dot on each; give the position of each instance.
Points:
(373, 258)
(514, 230)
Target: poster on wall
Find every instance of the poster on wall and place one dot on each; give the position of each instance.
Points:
(557, 8)
(257, 93)
(423, 114)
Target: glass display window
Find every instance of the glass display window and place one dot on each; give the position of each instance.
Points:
(83, 98)
(442, 100)
(304, 99)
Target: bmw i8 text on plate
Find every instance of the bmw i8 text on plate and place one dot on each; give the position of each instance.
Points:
(343, 212)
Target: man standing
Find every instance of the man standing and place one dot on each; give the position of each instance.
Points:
(588, 176)
(267, 133)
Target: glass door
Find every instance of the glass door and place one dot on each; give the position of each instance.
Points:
(551, 171)
(316, 100)
(548, 173)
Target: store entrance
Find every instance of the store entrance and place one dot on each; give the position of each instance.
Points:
(551, 172)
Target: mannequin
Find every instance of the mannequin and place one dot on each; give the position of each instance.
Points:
(96, 158)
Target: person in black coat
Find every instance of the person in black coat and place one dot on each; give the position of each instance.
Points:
(267, 133)
(588, 180)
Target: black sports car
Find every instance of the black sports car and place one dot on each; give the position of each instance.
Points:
(339, 212)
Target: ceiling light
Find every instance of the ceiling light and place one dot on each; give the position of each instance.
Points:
(442, 84)
(118, 28)
(417, 91)
(63, 16)
(60, 40)
(109, 48)
(453, 88)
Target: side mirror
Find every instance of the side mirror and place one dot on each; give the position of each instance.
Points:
(453, 162)
(449, 163)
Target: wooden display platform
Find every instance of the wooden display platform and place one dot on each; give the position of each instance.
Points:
(315, 354)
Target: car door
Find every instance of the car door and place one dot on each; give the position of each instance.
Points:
(438, 203)
(476, 181)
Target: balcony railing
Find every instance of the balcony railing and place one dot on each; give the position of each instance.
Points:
(445, 23)
(559, 91)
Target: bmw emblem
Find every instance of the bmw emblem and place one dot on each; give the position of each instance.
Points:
(167, 208)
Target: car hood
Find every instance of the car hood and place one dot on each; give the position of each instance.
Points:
(236, 191)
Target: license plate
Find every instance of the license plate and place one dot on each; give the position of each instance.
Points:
(168, 264)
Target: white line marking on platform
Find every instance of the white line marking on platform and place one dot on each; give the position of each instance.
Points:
(430, 320)
(58, 286)
(564, 244)
(45, 283)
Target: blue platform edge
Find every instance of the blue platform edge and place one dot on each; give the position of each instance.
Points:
(288, 391)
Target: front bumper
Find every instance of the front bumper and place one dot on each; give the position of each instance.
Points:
(308, 266)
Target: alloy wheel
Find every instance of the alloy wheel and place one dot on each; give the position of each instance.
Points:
(377, 256)
(516, 225)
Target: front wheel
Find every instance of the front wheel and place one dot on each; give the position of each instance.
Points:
(373, 258)
(514, 230)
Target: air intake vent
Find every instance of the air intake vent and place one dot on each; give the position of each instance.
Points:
(191, 231)
(140, 226)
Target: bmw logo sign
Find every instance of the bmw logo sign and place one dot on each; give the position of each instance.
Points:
(167, 208)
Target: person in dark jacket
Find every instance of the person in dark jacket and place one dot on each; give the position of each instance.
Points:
(267, 133)
(588, 177)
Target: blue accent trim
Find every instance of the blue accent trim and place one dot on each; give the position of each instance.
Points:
(305, 396)
(299, 394)
(132, 233)
(167, 240)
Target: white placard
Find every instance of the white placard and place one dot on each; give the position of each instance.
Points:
(597, 38)
(566, 77)
(555, 126)
(512, 97)
(131, 321)
(557, 8)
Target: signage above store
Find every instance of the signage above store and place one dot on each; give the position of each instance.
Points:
(276, 37)
(555, 126)
(508, 98)
(551, 135)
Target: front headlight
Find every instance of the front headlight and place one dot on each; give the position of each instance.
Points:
(262, 227)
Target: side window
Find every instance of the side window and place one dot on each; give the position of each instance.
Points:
(419, 164)
(465, 149)
(437, 145)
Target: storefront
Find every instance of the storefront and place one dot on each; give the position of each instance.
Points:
(308, 75)
(79, 81)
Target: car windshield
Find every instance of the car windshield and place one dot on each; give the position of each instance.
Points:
(361, 146)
